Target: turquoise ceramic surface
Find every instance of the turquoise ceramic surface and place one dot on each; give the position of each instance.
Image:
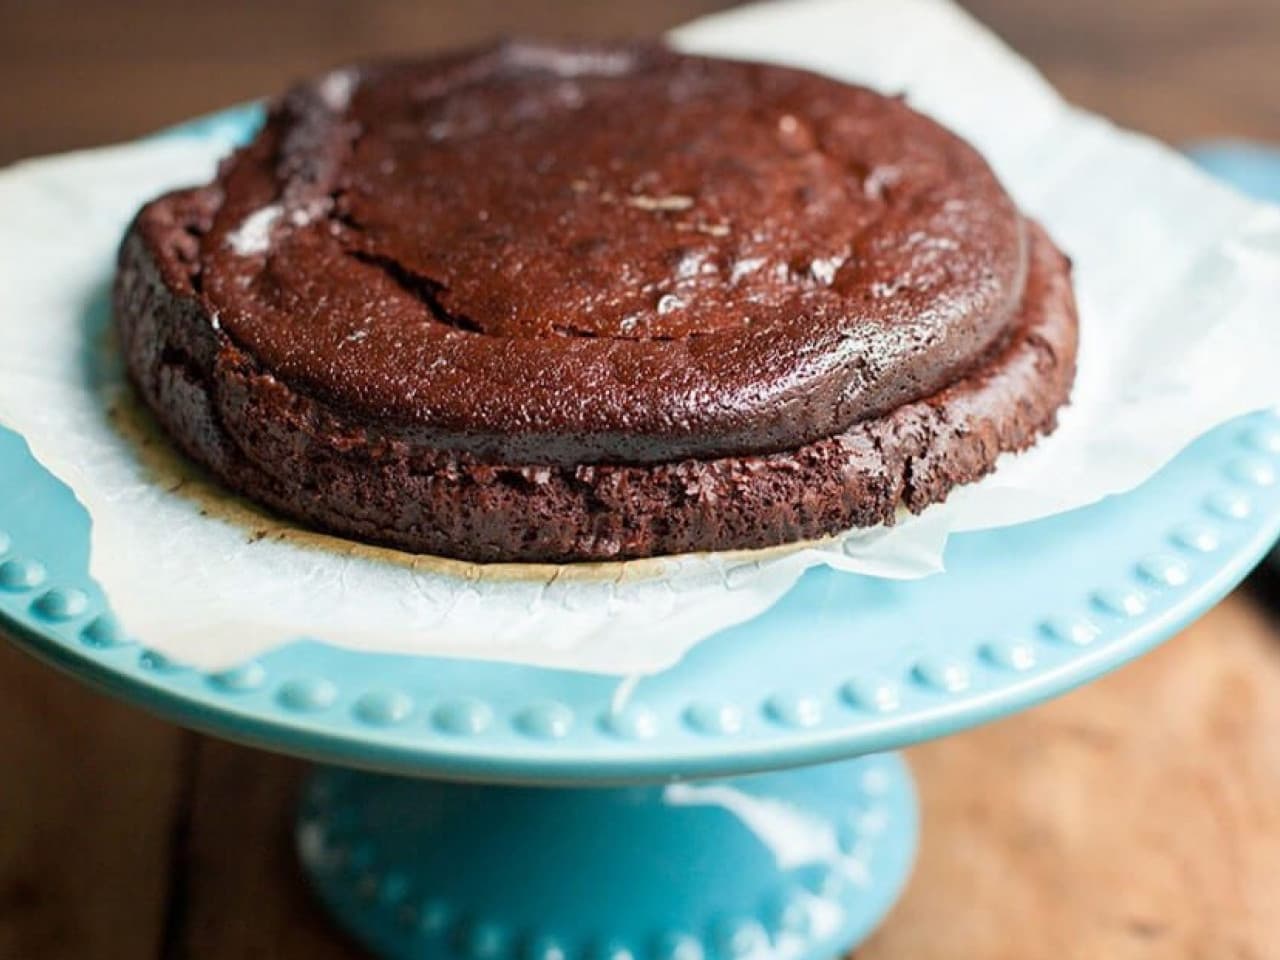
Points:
(621, 862)
(843, 666)
(1252, 168)
(792, 864)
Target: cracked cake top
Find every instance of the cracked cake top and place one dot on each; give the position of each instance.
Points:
(553, 255)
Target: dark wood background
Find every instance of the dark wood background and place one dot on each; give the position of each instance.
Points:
(81, 72)
(1137, 818)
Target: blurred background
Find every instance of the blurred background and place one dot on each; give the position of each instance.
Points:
(79, 72)
(1136, 818)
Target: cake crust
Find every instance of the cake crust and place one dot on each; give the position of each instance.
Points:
(335, 334)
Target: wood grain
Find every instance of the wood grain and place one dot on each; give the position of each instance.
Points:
(244, 896)
(1179, 69)
(79, 73)
(89, 793)
(1135, 818)
(83, 73)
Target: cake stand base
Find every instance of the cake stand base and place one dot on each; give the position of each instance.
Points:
(796, 864)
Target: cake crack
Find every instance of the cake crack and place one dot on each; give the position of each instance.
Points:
(422, 288)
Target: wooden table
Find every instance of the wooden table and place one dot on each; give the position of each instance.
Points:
(1137, 818)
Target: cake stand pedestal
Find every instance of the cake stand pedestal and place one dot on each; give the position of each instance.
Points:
(799, 863)
(741, 804)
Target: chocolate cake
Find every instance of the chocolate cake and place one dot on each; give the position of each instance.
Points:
(545, 303)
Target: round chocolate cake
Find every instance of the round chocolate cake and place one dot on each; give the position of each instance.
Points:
(546, 303)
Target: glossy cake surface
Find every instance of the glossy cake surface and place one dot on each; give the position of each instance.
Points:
(545, 303)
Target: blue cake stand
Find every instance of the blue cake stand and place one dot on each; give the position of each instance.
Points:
(432, 831)
(740, 805)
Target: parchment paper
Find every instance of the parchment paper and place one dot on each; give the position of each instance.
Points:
(1178, 280)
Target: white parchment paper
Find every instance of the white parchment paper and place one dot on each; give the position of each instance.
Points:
(1178, 280)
